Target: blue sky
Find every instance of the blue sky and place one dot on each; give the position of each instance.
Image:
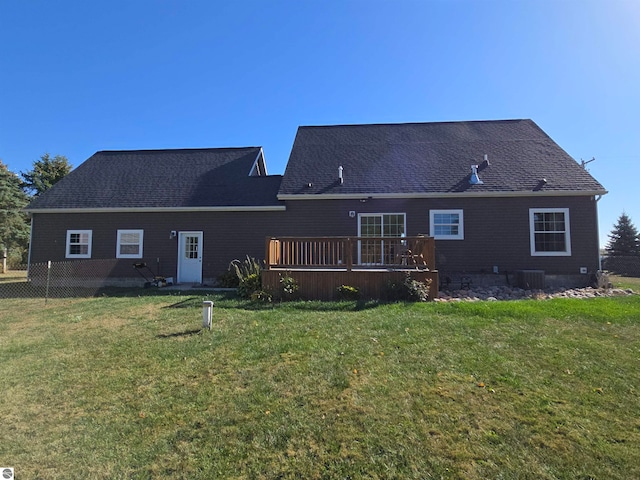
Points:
(81, 76)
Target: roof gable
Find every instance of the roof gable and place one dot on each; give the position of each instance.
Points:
(216, 177)
(430, 159)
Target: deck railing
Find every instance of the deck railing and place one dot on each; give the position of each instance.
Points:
(350, 252)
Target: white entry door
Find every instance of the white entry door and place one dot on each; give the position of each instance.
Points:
(190, 257)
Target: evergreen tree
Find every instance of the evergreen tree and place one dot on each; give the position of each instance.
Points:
(14, 223)
(624, 239)
(46, 172)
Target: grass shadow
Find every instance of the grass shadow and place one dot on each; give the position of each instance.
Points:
(187, 303)
(186, 333)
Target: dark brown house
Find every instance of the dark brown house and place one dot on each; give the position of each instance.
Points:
(497, 196)
(185, 213)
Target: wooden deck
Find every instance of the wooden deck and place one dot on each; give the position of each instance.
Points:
(321, 264)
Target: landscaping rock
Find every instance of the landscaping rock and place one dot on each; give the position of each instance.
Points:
(496, 293)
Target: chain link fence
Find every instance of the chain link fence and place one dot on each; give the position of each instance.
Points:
(57, 279)
(628, 266)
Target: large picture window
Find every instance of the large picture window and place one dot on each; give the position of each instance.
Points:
(379, 252)
(129, 244)
(446, 224)
(78, 244)
(550, 232)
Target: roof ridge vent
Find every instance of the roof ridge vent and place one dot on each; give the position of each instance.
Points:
(475, 180)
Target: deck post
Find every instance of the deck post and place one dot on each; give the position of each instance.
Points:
(349, 254)
(267, 253)
(431, 253)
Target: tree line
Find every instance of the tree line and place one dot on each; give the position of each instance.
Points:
(16, 191)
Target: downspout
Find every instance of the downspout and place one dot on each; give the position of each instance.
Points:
(597, 198)
(30, 242)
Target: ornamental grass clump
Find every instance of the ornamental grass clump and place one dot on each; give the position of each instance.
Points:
(249, 273)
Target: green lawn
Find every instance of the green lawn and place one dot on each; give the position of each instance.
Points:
(626, 282)
(13, 276)
(129, 387)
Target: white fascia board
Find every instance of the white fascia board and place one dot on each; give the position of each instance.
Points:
(358, 196)
(255, 166)
(269, 208)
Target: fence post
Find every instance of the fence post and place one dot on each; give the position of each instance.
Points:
(46, 293)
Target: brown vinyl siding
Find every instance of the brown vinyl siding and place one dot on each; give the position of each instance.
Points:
(226, 236)
(496, 232)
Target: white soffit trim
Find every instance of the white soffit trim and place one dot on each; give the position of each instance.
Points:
(270, 208)
(354, 196)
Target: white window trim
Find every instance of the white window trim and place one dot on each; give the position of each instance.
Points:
(567, 232)
(119, 239)
(432, 227)
(68, 253)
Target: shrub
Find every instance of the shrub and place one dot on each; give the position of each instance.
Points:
(410, 290)
(347, 292)
(261, 296)
(289, 286)
(416, 291)
(228, 279)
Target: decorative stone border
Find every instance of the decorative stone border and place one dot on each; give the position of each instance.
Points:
(496, 293)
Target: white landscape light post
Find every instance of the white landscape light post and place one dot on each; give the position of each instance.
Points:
(207, 311)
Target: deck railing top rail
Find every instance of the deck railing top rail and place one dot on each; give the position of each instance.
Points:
(350, 252)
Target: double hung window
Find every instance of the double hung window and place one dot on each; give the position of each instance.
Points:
(129, 244)
(446, 224)
(550, 232)
(78, 244)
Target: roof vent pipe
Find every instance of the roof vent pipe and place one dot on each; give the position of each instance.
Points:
(486, 160)
(340, 177)
(475, 180)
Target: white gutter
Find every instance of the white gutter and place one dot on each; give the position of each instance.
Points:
(357, 196)
(267, 208)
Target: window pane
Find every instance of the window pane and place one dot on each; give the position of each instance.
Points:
(78, 249)
(446, 224)
(393, 225)
(129, 249)
(550, 242)
(130, 238)
(191, 247)
(371, 226)
(442, 230)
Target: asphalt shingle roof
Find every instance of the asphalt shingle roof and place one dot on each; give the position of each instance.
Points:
(431, 158)
(215, 177)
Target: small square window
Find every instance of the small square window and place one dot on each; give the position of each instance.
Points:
(129, 244)
(78, 244)
(446, 224)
